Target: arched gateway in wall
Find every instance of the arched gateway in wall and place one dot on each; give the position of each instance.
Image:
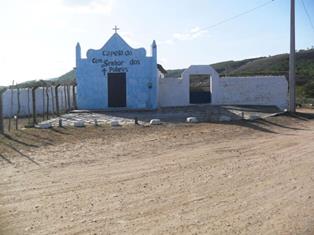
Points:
(183, 92)
(203, 84)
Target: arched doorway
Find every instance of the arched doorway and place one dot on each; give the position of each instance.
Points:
(200, 92)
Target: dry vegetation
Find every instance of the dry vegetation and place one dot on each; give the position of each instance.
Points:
(235, 178)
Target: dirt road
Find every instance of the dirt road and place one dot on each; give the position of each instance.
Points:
(237, 178)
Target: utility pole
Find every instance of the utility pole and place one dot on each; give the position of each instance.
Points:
(292, 105)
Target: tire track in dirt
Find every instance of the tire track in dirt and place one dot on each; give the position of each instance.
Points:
(246, 182)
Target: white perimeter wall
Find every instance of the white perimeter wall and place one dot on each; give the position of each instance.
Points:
(26, 97)
(174, 92)
(259, 90)
(262, 90)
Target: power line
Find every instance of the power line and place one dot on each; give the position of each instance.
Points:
(234, 17)
(308, 15)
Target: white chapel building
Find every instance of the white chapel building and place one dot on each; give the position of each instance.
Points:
(118, 76)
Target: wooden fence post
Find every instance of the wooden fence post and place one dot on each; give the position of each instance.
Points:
(57, 99)
(65, 98)
(1, 115)
(69, 97)
(18, 109)
(74, 97)
(11, 107)
(47, 95)
(28, 107)
(43, 103)
(34, 105)
(52, 101)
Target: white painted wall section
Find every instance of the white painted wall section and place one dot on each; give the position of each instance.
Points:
(261, 90)
(26, 98)
(173, 92)
(258, 90)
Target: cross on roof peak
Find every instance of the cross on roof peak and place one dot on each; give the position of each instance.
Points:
(116, 29)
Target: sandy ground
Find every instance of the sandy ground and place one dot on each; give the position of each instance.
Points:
(236, 178)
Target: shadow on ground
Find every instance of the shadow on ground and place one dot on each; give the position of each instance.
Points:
(22, 142)
(269, 125)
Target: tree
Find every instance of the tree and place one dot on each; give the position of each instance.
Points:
(309, 90)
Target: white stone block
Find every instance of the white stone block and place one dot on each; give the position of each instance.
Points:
(114, 123)
(224, 118)
(45, 125)
(79, 124)
(155, 122)
(192, 120)
(253, 117)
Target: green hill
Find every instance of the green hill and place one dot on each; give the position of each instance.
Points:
(279, 64)
(271, 65)
(227, 67)
(68, 77)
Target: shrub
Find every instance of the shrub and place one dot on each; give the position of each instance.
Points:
(309, 90)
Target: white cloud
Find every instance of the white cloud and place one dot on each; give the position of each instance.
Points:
(189, 35)
(37, 33)
(89, 7)
(163, 60)
(77, 2)
(166, 42)
(192, 34)
(130, 39)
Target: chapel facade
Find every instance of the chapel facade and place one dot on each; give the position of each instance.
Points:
(117, 76)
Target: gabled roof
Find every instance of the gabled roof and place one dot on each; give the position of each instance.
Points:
(161, 69)
(116, 41)
(116, 38)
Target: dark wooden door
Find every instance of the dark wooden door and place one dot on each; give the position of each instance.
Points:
(116, 90)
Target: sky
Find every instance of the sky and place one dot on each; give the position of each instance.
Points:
(38, 37)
